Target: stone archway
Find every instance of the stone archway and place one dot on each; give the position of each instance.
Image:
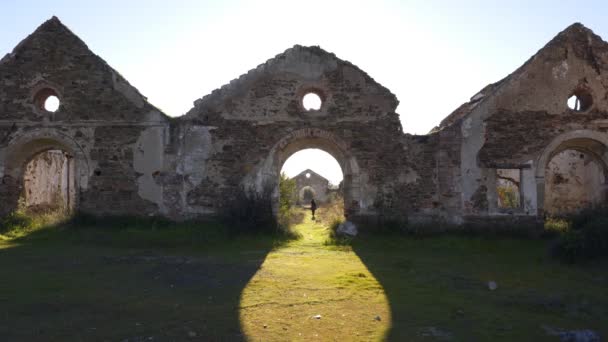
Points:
(28, 148)
(268, 174)
(306, 194)
(579, 157)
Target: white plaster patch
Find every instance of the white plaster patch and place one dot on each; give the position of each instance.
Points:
(197, 149)
(561, 71)
(147, 159)
(466, 127)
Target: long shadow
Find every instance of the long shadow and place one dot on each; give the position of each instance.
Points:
(378, 262)
(437, 288)
(180, 283)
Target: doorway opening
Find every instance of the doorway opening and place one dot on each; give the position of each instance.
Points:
(310, 176)
(48, 183)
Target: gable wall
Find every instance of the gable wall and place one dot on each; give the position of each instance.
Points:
(514, 124)
(132, 159)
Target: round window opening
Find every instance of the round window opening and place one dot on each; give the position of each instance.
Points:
(308, 175)
(311, 101)
(47, 100)
(580, 101)
(51, 104)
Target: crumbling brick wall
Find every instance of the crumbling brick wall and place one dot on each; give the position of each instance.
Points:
(130, 158)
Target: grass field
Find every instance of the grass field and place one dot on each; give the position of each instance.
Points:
(195, 283)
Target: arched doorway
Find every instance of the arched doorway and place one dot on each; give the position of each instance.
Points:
(45, 171)
(48, 182)
(310, 138)
(574, 174)
(306, 194)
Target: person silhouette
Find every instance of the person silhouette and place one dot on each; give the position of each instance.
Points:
(313, 208)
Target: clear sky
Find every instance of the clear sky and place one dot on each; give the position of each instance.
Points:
(434, 55)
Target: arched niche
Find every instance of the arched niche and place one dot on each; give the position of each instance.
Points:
(36, 147)
(572, 173)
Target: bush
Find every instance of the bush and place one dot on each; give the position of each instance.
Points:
(555, 226)
(586, 238)
(250, 212)
(287, 199)
(587, 215)
(331, 213)
(24, 221)
(15, 221)
(570, 246)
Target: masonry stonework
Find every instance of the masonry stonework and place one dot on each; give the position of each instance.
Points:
(130, 158)
(313, 182)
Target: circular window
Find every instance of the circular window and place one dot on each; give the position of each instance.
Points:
(51, 104)
(47, 100)
(311, 101)
(580, 100)
(308, 175)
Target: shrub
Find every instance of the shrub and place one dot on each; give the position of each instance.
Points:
(26, 220)
(570, 246)
(555, 226)
(587, 215)
(333, 227)
(331, 213)
(586, 238)
(287, 199)
(249, 211)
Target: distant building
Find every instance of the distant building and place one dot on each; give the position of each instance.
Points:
(309, 185)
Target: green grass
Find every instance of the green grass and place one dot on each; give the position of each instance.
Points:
(134, 280)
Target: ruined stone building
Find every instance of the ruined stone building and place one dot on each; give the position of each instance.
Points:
(309, 185)
(530, 144)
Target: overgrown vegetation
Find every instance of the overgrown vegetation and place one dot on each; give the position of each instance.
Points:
(288, 215)
(508, 195)
(140, 279)
(250, 211)
(24, 221)
(582, 236)
(331, 214)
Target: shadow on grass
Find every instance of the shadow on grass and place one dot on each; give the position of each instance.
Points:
(437, 287)
(126, 279)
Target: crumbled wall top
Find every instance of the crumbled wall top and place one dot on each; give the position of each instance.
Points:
(89, 89)
(279, 82)
(577, 38)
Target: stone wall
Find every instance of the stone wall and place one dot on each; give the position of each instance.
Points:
(99, 121)
(312, 180)
(524, 119)
(130, 158)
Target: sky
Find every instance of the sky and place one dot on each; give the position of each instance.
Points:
(433, 55)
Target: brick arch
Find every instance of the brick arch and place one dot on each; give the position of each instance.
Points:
(314, 138)
(25, 147)
(588, 141)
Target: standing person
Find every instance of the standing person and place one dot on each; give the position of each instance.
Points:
(313, 207)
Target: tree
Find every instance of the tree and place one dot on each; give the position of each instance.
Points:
(287, 191)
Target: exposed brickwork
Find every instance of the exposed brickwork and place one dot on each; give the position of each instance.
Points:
(100, 113)
(515, 137)
(130, 158)
(315, 181)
